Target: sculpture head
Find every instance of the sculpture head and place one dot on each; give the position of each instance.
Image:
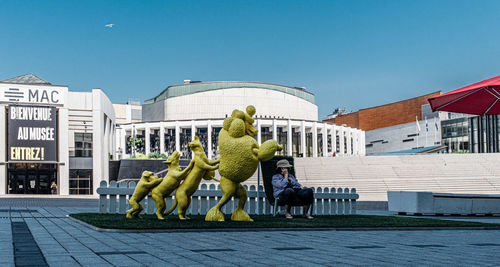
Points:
(195, 145)
(148, 176)
(173, 158)
(240, 123)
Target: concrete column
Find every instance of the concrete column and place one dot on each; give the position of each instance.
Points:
(363, 143)
(123, 141)
(341, 141)
(289, 138)
(113, 139)
(275, 132)
(315, 140)
(349, 142)
(259, 132)
(147, 141)
(105, 160)
(63, 152)
(325, 140)
(162, 138)
(193, 133)
(3, 148)
(209, 139)
(333, 133)
(177, 137)
(303, 139)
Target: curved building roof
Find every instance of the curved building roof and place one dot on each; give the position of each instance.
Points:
(197, 87)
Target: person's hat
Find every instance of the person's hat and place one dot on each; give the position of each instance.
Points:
(283, 164)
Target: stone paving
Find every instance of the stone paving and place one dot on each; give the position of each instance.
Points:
(64, 242)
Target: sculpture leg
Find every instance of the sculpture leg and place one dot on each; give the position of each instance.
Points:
(133, 210)
(228, 189)
(137, 213)
(160, 205)
(182, 204)
(239, 214)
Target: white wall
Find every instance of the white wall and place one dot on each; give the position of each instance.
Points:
(392, 137)
(218, 103)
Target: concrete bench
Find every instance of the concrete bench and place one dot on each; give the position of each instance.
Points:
(429, 203)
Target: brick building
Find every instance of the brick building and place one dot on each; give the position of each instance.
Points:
(386, 115)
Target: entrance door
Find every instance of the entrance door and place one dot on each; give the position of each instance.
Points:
(31, 178)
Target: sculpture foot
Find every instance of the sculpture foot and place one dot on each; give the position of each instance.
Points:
(214, 215)
(160, 216)
(183, 218)
(240, 216)
(138, 216)
(129, 215)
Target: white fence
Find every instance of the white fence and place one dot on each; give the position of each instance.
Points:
(327, 201)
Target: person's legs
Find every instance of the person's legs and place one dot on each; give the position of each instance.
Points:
(306, 197)
(287, 197)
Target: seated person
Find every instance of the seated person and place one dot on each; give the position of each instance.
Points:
(289, 191)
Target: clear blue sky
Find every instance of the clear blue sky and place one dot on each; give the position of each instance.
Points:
(353, 54)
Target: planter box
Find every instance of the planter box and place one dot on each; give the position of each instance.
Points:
(408, 202)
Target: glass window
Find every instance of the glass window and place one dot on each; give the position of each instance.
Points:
(83, 144)
(80, 181)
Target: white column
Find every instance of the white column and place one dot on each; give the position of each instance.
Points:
(105, 160)
(303, 139)
(193, 131)
(147, 143)
(363, 143)
(113, 139)
(349, 141)
(63, 152)
(315, 140)
(289, 138)
(275, 132)
(177, 137)
(333, 133)
(209, 139)
(259, 132)
(123, 141)
(325, 139)
(162, 138)
(3, 148)
(341, 141)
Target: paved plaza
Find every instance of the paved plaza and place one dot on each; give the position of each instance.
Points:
(32, 234)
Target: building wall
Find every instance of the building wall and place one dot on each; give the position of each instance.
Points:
(127, 113)
(387, 115)
(218, 104)
(404, 136)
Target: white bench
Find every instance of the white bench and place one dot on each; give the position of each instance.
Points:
(429, 203)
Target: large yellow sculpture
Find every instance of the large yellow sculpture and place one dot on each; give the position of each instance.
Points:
(202, 168)
(239, 157)
(169, 183)
(144, 186)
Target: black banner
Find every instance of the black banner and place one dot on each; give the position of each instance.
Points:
(32, 133)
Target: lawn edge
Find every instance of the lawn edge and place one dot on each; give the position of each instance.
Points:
(110, 230)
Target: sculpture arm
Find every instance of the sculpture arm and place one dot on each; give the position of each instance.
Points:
(268, 148)
(212, 162)
(153, 183)
(205, 166)
(187, 169)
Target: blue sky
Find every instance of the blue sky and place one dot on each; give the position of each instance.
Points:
(352, 54)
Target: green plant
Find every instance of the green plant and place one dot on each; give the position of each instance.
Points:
(157, 156)
(135, 143)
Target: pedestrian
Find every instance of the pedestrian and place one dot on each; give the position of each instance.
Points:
(53, 188)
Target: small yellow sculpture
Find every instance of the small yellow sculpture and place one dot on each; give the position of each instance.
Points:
(202, 168)
(144, 186)
(239, 157)
(170, 182)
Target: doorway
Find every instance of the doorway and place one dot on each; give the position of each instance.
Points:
(31, 178)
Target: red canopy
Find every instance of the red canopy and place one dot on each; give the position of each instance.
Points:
(481, 98)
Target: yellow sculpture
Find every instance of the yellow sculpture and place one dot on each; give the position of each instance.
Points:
(144, 186)
(239, 157)
(170, 182)
(202, 168)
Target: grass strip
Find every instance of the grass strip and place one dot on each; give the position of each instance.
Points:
(118, 221)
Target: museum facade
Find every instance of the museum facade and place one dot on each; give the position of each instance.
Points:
(53, 140)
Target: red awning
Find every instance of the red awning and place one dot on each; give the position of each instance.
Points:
(481, 98)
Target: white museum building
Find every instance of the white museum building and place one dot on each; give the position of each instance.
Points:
(52, 135)
(285, 114)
